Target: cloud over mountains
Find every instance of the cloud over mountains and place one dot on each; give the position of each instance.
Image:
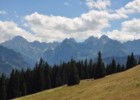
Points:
(48, 28)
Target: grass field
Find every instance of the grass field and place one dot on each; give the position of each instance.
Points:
(120, 86)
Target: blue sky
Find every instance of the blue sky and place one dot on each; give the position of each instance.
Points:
(67, 8)
(55, 20)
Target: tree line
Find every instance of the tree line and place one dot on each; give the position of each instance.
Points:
(43, 76)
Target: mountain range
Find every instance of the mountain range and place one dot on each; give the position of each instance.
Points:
(69, 48)
(30, 51)
(54, 53)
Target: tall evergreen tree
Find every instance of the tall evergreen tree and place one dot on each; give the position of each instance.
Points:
(73, 76)
(123, 67)
(23, 87)
(86, 70)
(100, 68)
(128, 63)
(3, 92)
(56, 77)
(47, 76)
(108, 69)
(139, 61)
(29, 81)
(91, 69)
(38, 76)
(58, 81)
(63, 73)
(113, 67)
(80, 68)
(14, 85)
(131, 61)
(119, 68)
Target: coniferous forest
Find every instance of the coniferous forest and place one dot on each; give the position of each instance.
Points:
(44, 76)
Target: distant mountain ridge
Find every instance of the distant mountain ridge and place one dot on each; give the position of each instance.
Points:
(133, 46)
(30, 51)
(86, 50)
(55, 52)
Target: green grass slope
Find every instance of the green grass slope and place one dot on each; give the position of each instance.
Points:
(120, 86)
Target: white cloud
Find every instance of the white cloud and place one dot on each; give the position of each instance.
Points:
(122, 36)
(9, 29)
(3, 12)
(98, 4)
(131, 26)
(130, 30)
(56, 28)
(130, 8)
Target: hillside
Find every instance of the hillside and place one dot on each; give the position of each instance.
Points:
(120, 86)
(9, 60)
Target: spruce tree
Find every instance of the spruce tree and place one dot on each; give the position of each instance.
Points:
(56, 77)
(123, 68)
(108, 69)
(113, 67)
(131, 61)
(91, 69)
(73, 76)
(23, 87)
(128, 63)
(118, 68)
(38, 76)
(14, 85)
(3, 92)
(47, 76)
(80, 68)
(63, 73)
(85, 67)
(139, 61)
(58, 81)
(53, 77)
(100, 68)
(29, 81)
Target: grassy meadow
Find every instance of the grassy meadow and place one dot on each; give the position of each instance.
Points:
(120, 86)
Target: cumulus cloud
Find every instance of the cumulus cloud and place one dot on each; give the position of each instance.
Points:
(56, 28)
(132, 26)
(130, 30)
(98, 4)
(130, 8)
(9, 29)
(47, 28)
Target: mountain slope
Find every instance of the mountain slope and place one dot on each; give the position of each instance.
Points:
(114, 48)
(133, 46)
(9, 60)
(31, 51)
(120, 86)
(64, 52)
